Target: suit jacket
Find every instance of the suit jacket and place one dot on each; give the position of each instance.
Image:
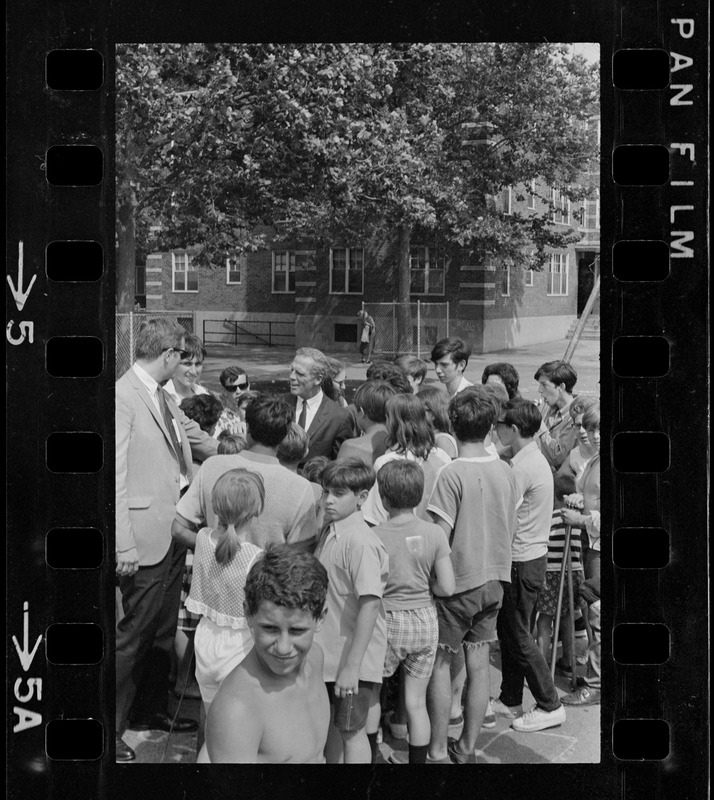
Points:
(330, 426)
(147, 468)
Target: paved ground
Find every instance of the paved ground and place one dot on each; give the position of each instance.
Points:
(576, 741)
(268, 364)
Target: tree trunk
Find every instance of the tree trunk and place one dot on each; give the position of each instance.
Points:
(404, 317)
(126, 253)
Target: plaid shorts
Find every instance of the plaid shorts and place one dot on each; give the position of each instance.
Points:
(412, 637)
(187, 620)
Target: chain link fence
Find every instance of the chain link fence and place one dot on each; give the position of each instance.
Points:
(402, 328)
(128, 324)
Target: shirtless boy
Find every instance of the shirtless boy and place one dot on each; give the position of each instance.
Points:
(273, 707)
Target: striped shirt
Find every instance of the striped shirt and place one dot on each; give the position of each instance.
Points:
(556, 545)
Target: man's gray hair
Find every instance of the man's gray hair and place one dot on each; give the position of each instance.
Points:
(157, 335)
(320, 366)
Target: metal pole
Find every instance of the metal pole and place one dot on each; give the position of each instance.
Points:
(447, 318)
(131, 338)
(559, 606)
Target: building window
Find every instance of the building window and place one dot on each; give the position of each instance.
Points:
(507, 200)
(234, 268)
(345, 333)
(528, 280)
(283, 271)
(427, 268)
(184, 273)
(532, 195)
(346, 270)
(560, 211)
(558, 274)
(505, 281)
(592, 215)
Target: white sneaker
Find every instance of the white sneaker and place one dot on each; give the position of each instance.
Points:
(497, 707)
(538, 719)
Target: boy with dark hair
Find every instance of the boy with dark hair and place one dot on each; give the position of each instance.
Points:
(521, 658)
(503, 373)
(353, 636)
(204, 409)
(370, 404)
(276, 692)
(390, 372)
(451, 357)
(558, 435)
(419, 565)
(289, 513)
(474, 501)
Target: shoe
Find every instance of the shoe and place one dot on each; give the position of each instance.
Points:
(446, 760)
(495, 706)
(458, 757)
(489, 721)
(162, 722)
(538, 719)
(396, 729)
(582, 697)
(124, 753)
(582, 659)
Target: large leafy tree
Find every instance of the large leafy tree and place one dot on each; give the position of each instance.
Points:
(346, 140)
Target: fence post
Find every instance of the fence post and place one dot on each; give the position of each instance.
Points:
(447, 318)
(131, 338)
(418, 328)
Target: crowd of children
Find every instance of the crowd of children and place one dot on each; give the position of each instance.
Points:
(437, 531)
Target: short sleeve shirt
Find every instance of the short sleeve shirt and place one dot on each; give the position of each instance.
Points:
(413, 548)
(477, 497)
(534, 480)
(357, 565)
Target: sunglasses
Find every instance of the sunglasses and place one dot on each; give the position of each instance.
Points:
(231, 389)
(183, 354)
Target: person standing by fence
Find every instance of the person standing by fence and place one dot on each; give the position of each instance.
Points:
(366, 339)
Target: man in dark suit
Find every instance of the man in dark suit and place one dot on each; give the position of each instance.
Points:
(155, 447)
(327, 423)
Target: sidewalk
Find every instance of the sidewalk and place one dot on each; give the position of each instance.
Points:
(268, 364)
(577, 741)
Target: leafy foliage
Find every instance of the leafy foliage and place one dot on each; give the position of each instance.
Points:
(346, 142)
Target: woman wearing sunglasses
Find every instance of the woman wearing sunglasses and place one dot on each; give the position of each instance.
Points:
(234, 382)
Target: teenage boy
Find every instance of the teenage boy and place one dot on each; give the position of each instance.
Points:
(273, 708)
(419, 565)
(474, 501)
(519, 421)
(557, 436)
(354, 634)
(451, 357)
(370, 403)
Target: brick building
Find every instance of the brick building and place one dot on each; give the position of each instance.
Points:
(292, 294)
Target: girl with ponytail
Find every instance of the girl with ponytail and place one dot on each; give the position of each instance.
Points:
(221, 562)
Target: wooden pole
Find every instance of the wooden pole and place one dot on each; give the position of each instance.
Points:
(573, 343)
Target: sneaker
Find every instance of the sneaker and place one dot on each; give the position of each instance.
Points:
(495, 706)
(489, 721)
(583, 696)
(538, 719)
(396, 730)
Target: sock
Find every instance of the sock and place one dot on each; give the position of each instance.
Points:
(417, 753)
(373, 745)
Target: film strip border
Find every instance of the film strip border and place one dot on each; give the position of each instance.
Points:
(658, 365)
(658, 434)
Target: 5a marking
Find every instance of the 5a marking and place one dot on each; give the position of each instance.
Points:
(27, 718)
(20, 295)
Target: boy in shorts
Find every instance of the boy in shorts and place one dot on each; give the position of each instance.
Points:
(474, 501)
(272, 708)
(419, 565)
(354, 633)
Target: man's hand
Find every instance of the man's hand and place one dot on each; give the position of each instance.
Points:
(127, 562)
(347, 682)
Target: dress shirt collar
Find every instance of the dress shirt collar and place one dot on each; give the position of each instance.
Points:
(313, 403)
(146, 379)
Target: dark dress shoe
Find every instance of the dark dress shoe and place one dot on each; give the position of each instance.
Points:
(123, 751)
(162, 722)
